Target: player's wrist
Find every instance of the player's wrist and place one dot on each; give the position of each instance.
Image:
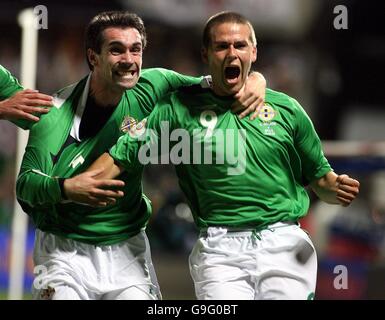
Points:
(61, 182)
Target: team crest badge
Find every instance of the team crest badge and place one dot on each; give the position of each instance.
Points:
(267, 113)
(127, 124)
(133, 127)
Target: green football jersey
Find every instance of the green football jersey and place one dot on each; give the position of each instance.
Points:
(51, 154)
(8, 87)
(234, 172)
(8, 84)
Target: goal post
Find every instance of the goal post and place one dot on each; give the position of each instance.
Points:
(27, 20)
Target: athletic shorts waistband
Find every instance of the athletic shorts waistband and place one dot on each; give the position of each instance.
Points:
(234, 232)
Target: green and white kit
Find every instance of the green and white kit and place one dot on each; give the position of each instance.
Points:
(244, 181)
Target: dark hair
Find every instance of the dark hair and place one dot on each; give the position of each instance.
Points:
(104, 20)
(223, 17)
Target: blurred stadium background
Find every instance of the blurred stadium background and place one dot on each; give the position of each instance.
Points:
(337, 75)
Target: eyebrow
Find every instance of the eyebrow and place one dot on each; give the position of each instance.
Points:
(226, 41)
(113, 43)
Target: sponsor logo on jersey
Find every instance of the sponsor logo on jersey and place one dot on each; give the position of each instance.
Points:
(77, 161)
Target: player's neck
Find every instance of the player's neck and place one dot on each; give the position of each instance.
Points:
(104, 96)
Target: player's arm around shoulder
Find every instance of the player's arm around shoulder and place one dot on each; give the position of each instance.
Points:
(106, 166)
(96, 187)
(166, 80)
(24, 104)
(251, 98)
(19, 105)
(336, 189)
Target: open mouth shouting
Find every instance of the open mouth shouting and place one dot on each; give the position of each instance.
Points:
(232, 74)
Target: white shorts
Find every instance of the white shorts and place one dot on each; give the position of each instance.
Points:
(276, 263)
(69, 270)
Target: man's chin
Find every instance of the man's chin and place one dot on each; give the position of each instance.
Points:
(233, 89)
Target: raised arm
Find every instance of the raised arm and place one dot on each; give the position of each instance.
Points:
(336, 189)
(158, 82)
(155, 83)
(107, 166)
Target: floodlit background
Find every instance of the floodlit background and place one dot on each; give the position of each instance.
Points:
(337, 76)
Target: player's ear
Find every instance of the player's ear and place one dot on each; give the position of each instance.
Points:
(91, 56)
(204, 55)
(254, 54)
